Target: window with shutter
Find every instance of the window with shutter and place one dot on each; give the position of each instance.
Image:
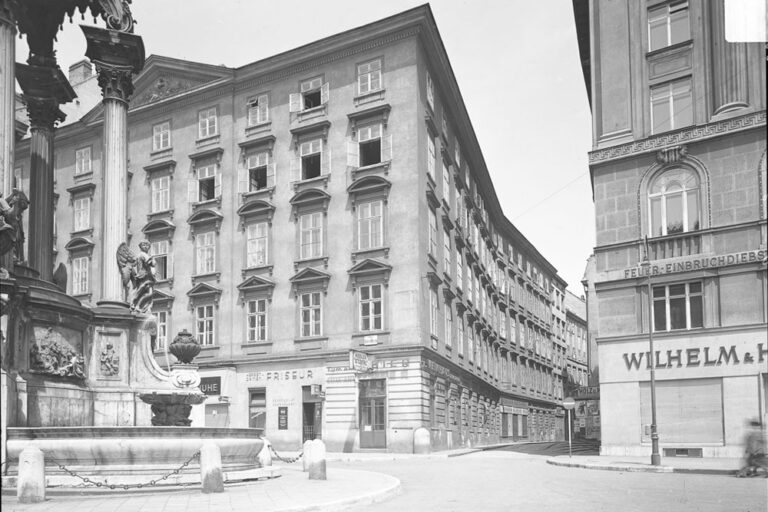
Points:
(310, 153)
(80, 271)
(82, 216)
(430, 92)
(83, 161)
(208, 181)
(160, 253)
(207, 123)
(311, 235)
(311, 93)
(161, 136)
(258, 110)
(257, 244)
(369, 77)
(431, 157)
(369, 138)
(258, 171)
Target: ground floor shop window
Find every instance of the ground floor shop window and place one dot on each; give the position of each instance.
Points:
(687, 411)
(257, 409)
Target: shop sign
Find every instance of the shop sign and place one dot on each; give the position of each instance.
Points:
(439, 370)
(587, 392)
(360, 361)
(210, 385)
(282, 418)
(279, 375)
(692, 357)
(688, 264)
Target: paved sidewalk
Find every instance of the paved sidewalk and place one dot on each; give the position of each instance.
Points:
(291, 492)
(707, 466)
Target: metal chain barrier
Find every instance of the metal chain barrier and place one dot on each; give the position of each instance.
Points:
(289, 460)
(88, 481)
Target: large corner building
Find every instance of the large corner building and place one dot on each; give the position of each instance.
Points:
(678, 171)
(329, 199)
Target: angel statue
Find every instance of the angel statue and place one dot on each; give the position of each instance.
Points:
(139, 271)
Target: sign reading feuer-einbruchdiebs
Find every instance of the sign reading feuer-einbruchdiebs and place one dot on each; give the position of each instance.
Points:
(694, 263)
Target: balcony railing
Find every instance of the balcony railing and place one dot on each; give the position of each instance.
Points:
(674, 246)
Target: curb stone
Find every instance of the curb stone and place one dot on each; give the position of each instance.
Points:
(631, 468)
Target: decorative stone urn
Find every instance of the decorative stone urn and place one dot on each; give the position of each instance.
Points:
(173, 409)
(184, 347)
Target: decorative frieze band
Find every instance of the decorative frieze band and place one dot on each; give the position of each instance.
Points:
(693, 134)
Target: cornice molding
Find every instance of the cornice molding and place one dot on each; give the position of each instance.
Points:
(694, 134)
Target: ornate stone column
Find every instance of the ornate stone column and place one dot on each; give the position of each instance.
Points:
(7, 99)
(117, 56)
(45, 87)
(729, 65)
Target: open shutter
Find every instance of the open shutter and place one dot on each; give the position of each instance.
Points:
(324, 93)
(271, 174)
(325, 161)
(217, 183)
(192, 190)
(169, 263)
(242, 180)
(386, 148)
(263, 115)
(294, 102)
(353, 154)
(295, 175)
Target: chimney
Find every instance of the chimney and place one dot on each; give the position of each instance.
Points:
(80, 72)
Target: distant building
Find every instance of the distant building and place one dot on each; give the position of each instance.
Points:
(679, 160)
(577, 336)
(327, 199)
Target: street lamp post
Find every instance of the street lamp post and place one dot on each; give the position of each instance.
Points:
(655, 456)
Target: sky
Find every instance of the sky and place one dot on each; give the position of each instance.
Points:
(516, 63)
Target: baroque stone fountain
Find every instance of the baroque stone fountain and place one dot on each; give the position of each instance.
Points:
(172, 409)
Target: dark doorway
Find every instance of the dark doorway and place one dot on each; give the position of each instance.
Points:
(373, 421)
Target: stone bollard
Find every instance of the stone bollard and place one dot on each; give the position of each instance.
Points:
(317, 464)
(265, 455)
(210, 468)
(421, 442)
(307, 457)
(30, 486)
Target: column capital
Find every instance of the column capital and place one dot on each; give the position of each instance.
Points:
(116, 81)
(44, 113)
(6, 14)
(117, 56)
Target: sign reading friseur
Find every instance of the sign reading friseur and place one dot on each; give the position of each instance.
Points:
(689, 264)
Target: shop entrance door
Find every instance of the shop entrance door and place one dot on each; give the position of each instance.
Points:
(312, 415)
(373, 399)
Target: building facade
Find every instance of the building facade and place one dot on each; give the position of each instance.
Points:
(324, 224)
(678, 170)
(577, 340)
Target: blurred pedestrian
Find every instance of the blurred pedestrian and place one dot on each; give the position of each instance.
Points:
(754, 451)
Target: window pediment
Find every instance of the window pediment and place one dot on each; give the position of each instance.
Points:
(368, 185)
(255, 208)
(369, 268)
(80, 244)
(205, 217)
(310, 277)
(204, 292)
(309, 197)
(267, 141)
(320, 128)
(161, 227)
(82, 189)
(434, 279)
(212, 152)
(169, 165)
(377, 113)
(162, 299)
(256, 285)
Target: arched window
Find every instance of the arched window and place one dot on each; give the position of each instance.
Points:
(674, 204)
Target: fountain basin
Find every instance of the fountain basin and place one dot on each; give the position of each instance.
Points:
(133, 453)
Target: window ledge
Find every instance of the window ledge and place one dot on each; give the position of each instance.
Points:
(671, 48)
(380, 166)
(323, 178)
(211, 349)
(312, 113)
(369, 96)
(252, 194)
(372, 251)
(211, 139)
(83, 176)
(200, 277)
(161, 213)
(81, 232)
(160, 153)
(208, 202)
(256, 344)
(168, 281)
(258, 128)
(310, 261)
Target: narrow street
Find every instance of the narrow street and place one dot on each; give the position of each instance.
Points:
(503, 481)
